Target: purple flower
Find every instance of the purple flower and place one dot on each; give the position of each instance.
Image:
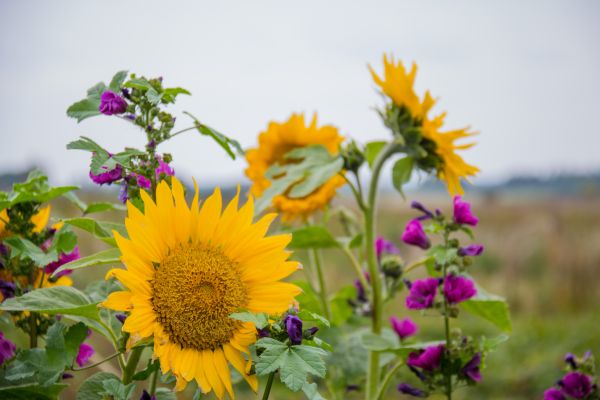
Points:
(422, 294)
(471, 369)
(415, 235)
(428, 360)
(62, 260)
(462, 213)
(264, 332)
(163, 168)
(123, 195)
(384, 246)
(471, 250)
(404, 328)
(7, 349)
(111, 103)
(458, 288)
(107, 177)
(360, 291)
(142, 181)
(405, 388)
(576, 384)
(418, 206)
(146, 396)
(121, 318)
(554, 394)
(570, 359)
(293, 325)
(84, 354)
(7, 289)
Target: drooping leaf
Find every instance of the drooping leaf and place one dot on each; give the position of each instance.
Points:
(312, 237)
(105, 257)
(225, 142)
(372, 149)
(88, 107)
(401, 173)
(32, 391)
(490, 307)
(117, 81)
(93, 387)
(311, 391)
(34, 189)
(102, 206)
(24, 248)
(86, 144)
(165, 394)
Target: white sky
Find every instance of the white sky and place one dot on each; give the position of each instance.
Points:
(525, 74)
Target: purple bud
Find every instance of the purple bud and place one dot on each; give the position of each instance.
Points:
(84, 354)
(352, 387)
(130, 117)
(422, 294)
(66, 375)
(107, 177)
(405, 388)
(383, 246)
(554, 394)
(7, 289)
(471, 369)
(312, 331)
(404, 328)
(151, 144)
(415, 235)
(123, 195)
(576, 384)
(418, 373)
(146, 396)
(121, 318)
(125, 93)
(570, 359)
(7, 349)
(462, 213)
(418, 206)
(471, 250)
(293, 325)
(163, 168)
(458, 288)
(111, 103)
(428, 360)
(142, 181)
(264, 332)
(360, 291)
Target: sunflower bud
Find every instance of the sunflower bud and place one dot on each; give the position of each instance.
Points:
(353, 156)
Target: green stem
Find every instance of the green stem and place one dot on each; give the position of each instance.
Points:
(115, 342)
(387, 379)
(447, 328)
(267, 391)
(357, 267)
(32, 330)
(376, 284)
(153, 382)
(416, 264)
(181, 131)
(98, 363)
(316, 258)
(131, 365)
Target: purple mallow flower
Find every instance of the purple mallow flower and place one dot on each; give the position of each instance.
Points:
(121, 318)
(107, 177)
(123, 195)
(576, 385)
(404, 328)
(361, 295)
(293, 325)
(142, 181)
(471, 369)
(422, 294)
(458, 288)
(7, 289)
(163, 168)
(62, 260)
(405, 388)
(146, 396)
(570, 359)
(428, 360)
(463, 214)
(111, 103)
(83, 355)
(384, 246)
(554, 394)
(471, 250)
(415, 235)
(7, 349)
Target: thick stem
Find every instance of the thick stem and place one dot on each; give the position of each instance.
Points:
(267, 391)
(316, 256)
(387, 379)
(131, 365)
(153, 381)
(376, 284)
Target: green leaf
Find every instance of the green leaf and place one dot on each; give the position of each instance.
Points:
(169, 94)
(311, 391)
(100, 230)
(73, 198)
(124, 157)
(153, 96)
(490, 344)
(64, 300)
(146, 372)
(165, 394)
(371, 151)
(341, 310)
(24, 248)
(62, 343)
(312, 237)
(138, 83)
(86, 144)
(93, 387)
(103, 206)
(85, 108)
(386, 341)
(117, 81)
(308, 299)
(31, 391)
(490, 307)
(34, 189)
(259, 320)
(105, 257)
(225, 142)
(115, 388)
(64, 241)
(307, 315)
(401, 173)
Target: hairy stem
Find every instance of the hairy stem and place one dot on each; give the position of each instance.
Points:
(131, 365)
(267, 391)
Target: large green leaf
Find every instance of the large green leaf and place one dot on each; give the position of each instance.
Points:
(34, 189)
(93, 387)
(24, 248)
(372, 149)
(117, 81)
(224, 141)
(105, 257)
(312, 237)
(88, 107)
(490, 307)
(101, 230)
(63, 300)
(32, 391)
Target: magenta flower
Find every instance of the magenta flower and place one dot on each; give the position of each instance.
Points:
(361, 294)
(7, 289)
(405, 388)
(463, 214)
(293, 325)
(384, 246)
(554, 394)
(458, 288)
(142, 181)
(576, 385)
(7, 349)
(404, 328)
(83, 355)
(418, 206)
(111, 103)
(415, 235)
(163, 168)
(62, 260)
(428, 360)
(123, 195)
(471, 250)
(422, 294)
(471, 369)
(107, 177)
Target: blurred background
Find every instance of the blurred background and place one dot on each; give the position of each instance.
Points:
(525, 75)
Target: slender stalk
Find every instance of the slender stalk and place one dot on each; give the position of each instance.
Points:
(357, 267)
(447, 328)
(316, 258)
(98, 363)
(357, 193)
(115, 343)
(267, 391)
(387, 379)
(376, 284)
(153, 380)
(131, 365)
(32, 330)
(416, 264)
(172, 135)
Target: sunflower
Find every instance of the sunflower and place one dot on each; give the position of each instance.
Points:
(39, 221)
(274, 144)
(187, 270)
(398, 85)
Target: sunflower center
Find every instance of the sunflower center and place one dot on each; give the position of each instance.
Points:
(195, 289)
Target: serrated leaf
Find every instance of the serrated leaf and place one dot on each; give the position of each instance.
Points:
(105, 257)
(22, 247)
(86, 144)
(153, 96)
(64, 300)
(490, 307)
(117, 81)
(401, 172)
(259, 320)
(93, 387)
(73, 198)
(312, 237)
(138, 83)
(83, 109)
(307, 315)
(116, 389)
(372, 149)
(311, 391)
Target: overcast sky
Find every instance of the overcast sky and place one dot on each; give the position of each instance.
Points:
(524, 74)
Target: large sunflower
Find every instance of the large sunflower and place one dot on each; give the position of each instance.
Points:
(398, 85)
(278, 140)
(187, 270)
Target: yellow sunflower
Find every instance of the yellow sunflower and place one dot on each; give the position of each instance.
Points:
(187, 270)
(39, 220)
(398, 85)
(278, 140)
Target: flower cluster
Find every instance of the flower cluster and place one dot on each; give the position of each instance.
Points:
(578, 382)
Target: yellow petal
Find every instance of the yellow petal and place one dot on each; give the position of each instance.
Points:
(119, 301)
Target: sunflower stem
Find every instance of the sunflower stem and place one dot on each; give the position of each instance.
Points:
(316, 256)
(131, 365)
(267, 391)
(153, 382)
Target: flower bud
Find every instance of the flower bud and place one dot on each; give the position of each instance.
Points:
(422, 294)
(576, 384)
(310, 333)
(462, 213)
(293, 325)
(404, 328)
(353, 157)
(392, 266)
(415, 235)
(405, 388)
(471, 368)
(111, 103)
(471, 250)
(383, 246)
